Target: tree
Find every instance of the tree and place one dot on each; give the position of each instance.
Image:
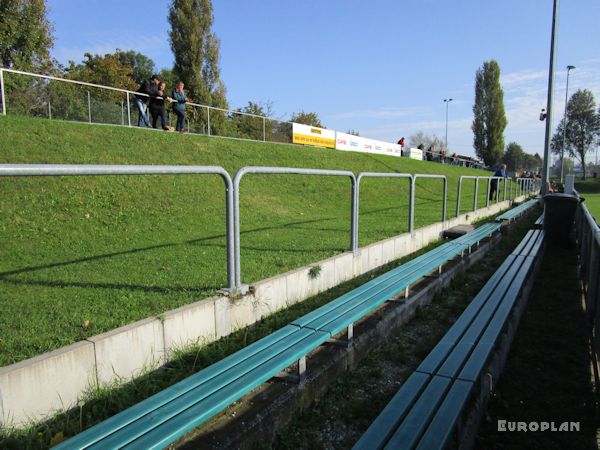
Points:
(307, 118)
(428, 141)
(353, 132)
(196, 51)
(142, 67)
(514, 157)
(582, 128)
(489, 119)
(105, 70)
(25, 34)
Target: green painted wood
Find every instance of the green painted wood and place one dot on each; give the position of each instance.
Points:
(417, 420)
(439, 431)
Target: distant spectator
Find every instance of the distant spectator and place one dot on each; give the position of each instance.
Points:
(443, 156)
(429, 153)
(179, 100)
(501, 172)
(157, 106)
(141, 101)
(401, 143)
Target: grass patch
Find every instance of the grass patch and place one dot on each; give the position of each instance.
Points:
(590, 190)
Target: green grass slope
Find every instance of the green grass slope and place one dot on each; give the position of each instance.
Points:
(590, 190)
(112, 250)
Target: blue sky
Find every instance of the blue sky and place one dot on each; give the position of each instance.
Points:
(380, 67)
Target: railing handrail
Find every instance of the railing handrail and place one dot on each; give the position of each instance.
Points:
(362, 175)
(87, 170)
(128, 91)
(274, 171)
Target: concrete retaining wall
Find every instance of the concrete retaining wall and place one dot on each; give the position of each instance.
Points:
(38, 387)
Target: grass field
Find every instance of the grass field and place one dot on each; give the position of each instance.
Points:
(590, 190)
(112, 250)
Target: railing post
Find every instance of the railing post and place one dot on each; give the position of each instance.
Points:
(128, 112)
(264, 130)
(122, 113)
(504, 198)
(445, 199)
(89, 107)
(208, 118)
(411, 206)
(354, 216)
(487, 194)
(3, 91)
(458, 196)
(49, 110)
(476, 194)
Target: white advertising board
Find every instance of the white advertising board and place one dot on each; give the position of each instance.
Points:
(353, 143)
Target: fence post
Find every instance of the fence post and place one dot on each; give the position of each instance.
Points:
(458, 196)
(208, 119)
(128, 112)
(49, 110)
(264, 130)
(487, 194)
(3, 91)
(476, 194)
(89, 107)
(354, 216)
(122, 113)
(411, 206)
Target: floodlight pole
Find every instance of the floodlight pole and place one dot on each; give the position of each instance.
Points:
(562, 155)
(546, 166)
(447, 101)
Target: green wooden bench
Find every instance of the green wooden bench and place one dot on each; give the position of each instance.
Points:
(517, 211)
(423, 413)
(170, 414)
(539, 223)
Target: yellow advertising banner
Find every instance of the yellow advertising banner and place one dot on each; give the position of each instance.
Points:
(307, 135)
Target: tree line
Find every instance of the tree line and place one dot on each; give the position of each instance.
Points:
(26, 41)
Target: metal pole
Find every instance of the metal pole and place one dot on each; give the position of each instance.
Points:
(546, 166)
(562, 153)
(458, 196)
(128, 112)
(475, 194)
(487, 194)
(3, 91)
(264, 130)
(208, 118)
(49, 110)
(122, 113)
(411, 206)
(89, 107)
(447, 101)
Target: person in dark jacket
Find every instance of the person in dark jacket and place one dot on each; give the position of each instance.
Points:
(157, 105)
(141, 101)
(179, 100)
(501, 172)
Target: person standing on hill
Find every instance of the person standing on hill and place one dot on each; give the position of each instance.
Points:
(141, 101)
(179, 100)
(157, 105)
(501, 172)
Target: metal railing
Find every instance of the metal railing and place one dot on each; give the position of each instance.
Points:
(232, 194)
(587, 234)
(527, 186)
(17, 170)
(506, 183)
(126, 102)
(283, 171)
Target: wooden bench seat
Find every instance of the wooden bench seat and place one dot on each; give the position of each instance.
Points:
(424, 411)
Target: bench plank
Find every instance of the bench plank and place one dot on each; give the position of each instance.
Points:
(382, 429)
